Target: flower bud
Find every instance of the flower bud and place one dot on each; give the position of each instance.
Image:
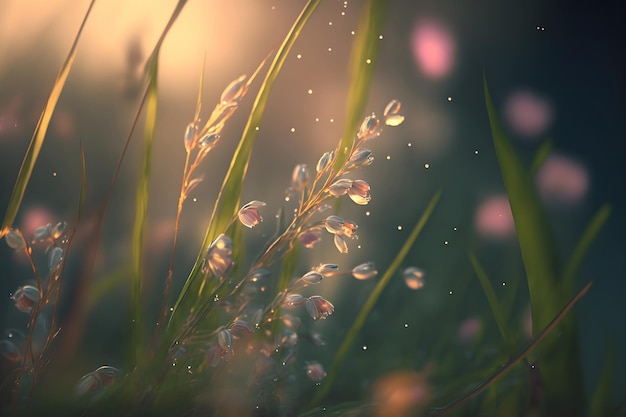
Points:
(318, 307)
(364, 271)
(234, 91)
(14, 239)
(299, 177)
(324, 161)
(26, 298)
(249, 215)
(340, 187)
(359, 192)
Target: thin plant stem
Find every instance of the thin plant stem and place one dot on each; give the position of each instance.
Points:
(513, 361)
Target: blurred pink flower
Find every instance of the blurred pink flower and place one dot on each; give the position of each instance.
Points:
(563, 180)
(433, 48)
(470, 329)
(528, 113)
(494, 218)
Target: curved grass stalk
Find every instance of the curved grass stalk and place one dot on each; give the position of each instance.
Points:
(36, 142)
(371, 301)
(513, 361)
(228, 200)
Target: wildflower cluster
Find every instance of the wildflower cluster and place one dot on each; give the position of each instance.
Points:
(38, 299)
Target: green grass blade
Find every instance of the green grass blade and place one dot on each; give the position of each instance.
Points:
(141, 209)
(229, 197)
(540, 156)
(371, 301)
(560, 354)
(365, 47)
(602, 394)
(539, 251)
(36, 142)
(516, 359)
(496, 308)
(585, 241)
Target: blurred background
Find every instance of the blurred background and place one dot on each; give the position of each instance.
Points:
(555, 71)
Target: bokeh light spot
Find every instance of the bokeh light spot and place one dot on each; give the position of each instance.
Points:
(433, 48)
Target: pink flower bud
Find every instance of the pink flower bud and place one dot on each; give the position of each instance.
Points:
(249, 215)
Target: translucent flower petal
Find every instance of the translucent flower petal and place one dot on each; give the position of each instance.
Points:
(327, 269)
(293, 300)
(249, 215)
(393, 107)
(364, 271)
(300, 177)
(209, 140)
(318, 307)
(340, 244)
(54, 257)
(370, 128)
(359, 192)
(42, 233)
(361, 158)
(334, 224)
(413, 277)
(9, 351)
(190, 133)
(26, 298)
(225, 339)
(340, 187)
(312, 278)
(14, 239)
(394, 120)
(324, 161)
(234, 91)
(58, 229)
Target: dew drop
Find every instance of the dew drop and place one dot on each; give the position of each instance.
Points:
(388, 157)
(504, 284)
(399, 227)
(310, 91)
(256, 128)
(364, 347)
(330, 23)
(476, 152)
(449, 98)
(426, 165)
(380, 36)
(454, 228)
(343, 13)
(332, 120)
(406, 325)
(409, 144)
(54, 174)
(352, 33)
(299, 56)
(293, 129)
(368, 61)
(195, 199)
(330, 49)
(445, 242)
(367, 213)
(450, 292)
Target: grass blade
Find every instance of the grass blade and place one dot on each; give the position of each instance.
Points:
(539, 251)
(36, 142)
(602, 395)
(585, 241)
(560, 355)
(361, 72)
(496, 309)
(141, 209)
(372, 299)
(229, 197)
(513, 361)
(540, 156)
